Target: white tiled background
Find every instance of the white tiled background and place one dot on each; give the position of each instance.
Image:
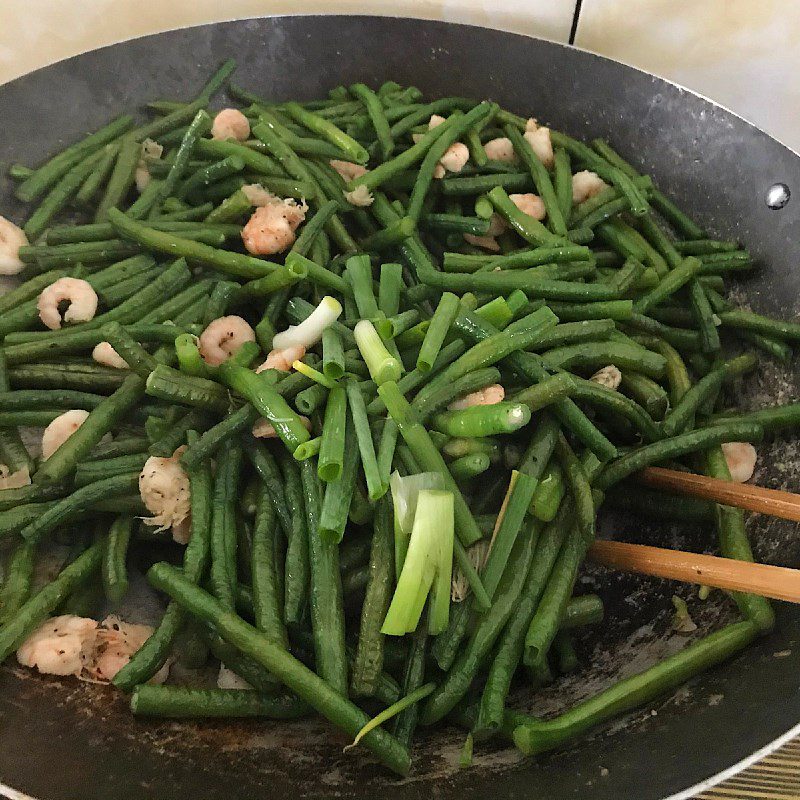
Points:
(743, 53)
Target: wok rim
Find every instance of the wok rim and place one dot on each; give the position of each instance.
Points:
(771, 747)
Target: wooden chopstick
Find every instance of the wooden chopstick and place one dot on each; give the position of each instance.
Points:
(785, 505)
(779, 583)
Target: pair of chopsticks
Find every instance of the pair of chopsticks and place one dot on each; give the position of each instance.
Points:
(778, 583)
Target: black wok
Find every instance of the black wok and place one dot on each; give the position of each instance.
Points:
(60, 739)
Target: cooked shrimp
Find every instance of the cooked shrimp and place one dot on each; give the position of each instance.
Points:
(539, 140)
(164, 489)
(182, 532)
(115, 642)
(586, 184)
(80, 296)
(455, 157)
(264, 429)
(80, 646)
(230, 123)
(141, 177)
(14, 480)
(360, 196)
(741, 459)
(347, 169)
(151, 151)
(486, 242)
(500, 150)
(60, 429)
(530, 204)
(11, 239)
(496, 226)
(228, 679)
(609, 376)
(487, 396)
(258, 195)
(282, 359)
(223, 337)
(60, 645)
(104, 353)
(272, 227)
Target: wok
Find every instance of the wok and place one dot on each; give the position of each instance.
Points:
(60, 739)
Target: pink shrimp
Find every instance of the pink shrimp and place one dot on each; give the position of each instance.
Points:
(500, 149)
(530, 204)
(741, 459)
(80, 296)
(282, 359)
(230, 123)
(539, 140)
(586, 184)
(264, 429)
(487, 396)
(271, 228)
(223, 337)
(347, 169)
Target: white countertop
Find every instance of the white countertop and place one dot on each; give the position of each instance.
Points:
(740, 53)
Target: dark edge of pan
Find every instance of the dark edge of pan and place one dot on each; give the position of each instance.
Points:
(57, 735)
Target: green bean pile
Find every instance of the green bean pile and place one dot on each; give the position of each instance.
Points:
(294, 555)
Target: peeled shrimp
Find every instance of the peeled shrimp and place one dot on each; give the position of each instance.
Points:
(80, 646)
(586, 184)
(141, 177)
(60, 645)
(486, 242)
(539, 140)
(115, 642)
(609, 376)
(104, 353)
(14, 480)
(228, 679)
(496, 226)
(455, 157)
(151, 151)
(487, 396)
(164, 489)
(223, 337)
(741, 459)
(182, 531)
(60, 429)
(347, 169)
(530, 204)
(500, 150)
(264, 429)
(78, 293)
(360, 196)
(282, 359)
(230, 123)
(272, 227)
(258, 195)
(11, 239)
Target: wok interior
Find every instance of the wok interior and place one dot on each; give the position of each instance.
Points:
(714, 165)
